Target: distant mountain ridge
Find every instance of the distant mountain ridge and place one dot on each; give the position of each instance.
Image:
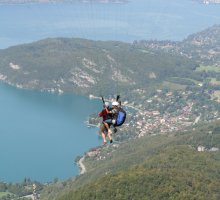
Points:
(203, 46)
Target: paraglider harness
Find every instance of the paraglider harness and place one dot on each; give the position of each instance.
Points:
(120, 118)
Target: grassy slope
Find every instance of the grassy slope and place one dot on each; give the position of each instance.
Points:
(176, 172)
(144, 152)
(208, 68)
(3, 194)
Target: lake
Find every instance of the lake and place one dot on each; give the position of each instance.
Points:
(136, 20)
(42, 133)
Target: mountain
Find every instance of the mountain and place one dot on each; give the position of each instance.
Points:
(165, 166)
(84, 66)
(174, 173)
(203, 46)
(97, 67)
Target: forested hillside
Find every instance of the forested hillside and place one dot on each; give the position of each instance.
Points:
(151, 167)
(83, 66)
(203, 47)
(176, 172)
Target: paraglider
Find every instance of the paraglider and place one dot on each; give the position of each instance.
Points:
(112, 116)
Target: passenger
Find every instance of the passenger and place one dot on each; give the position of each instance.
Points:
(104, 113)
(105, 116)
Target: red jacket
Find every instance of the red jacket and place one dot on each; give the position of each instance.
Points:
(103, 114)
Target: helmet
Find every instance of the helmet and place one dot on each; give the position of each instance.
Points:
(106, 104)
(115, 103)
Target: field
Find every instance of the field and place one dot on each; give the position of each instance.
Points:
(173, 86)
(213, 81)
(185, 79)
(216, 94)
(2, 194)
(208, 68)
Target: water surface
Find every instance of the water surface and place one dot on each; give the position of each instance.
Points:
(41, 134)
(136, 20)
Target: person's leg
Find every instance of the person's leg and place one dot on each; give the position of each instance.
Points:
(103, 134)
(107, 124)
(107, 129)
(103, 137)
(109, 137)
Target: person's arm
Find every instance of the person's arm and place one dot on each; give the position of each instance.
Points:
(107, 111)
(101, 114)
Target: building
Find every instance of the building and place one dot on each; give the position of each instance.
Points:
(201, 148)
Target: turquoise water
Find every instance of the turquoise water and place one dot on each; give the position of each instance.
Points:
(41, 134)
(136, 20)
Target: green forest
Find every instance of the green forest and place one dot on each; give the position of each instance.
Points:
(152, 167)
(176, 172)
(84, 66)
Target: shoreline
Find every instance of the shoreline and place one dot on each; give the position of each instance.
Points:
(81, 166)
